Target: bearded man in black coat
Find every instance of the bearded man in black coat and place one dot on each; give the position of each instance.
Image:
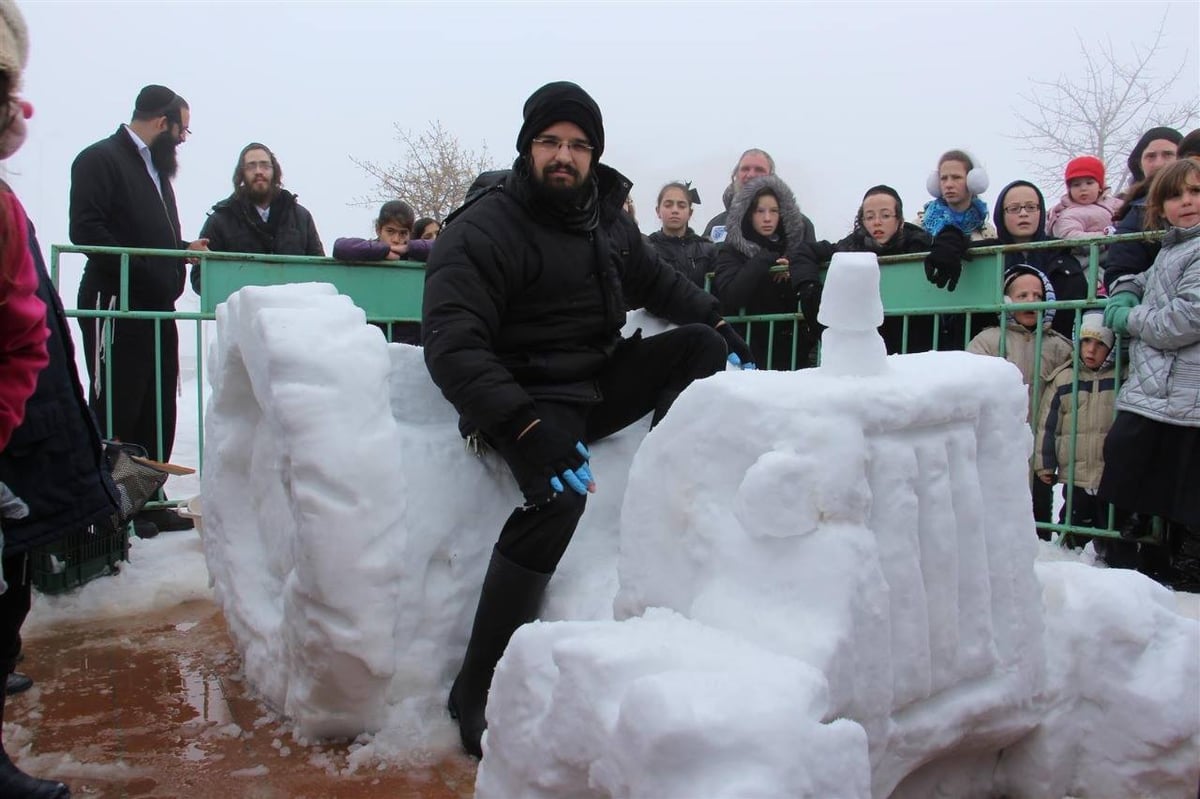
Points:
(260, 216)
(525, 297)
(121, 196)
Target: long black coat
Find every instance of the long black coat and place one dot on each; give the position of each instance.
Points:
(114, 203)
(235, 226)
(518, 308)
(54, 461)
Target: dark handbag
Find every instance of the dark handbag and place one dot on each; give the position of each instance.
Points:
(137, 482)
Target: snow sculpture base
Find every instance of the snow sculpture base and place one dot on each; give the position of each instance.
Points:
(879, 530)
(347, 528)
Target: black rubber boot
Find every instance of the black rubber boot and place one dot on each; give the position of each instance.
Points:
(511, 596)
(16, 784)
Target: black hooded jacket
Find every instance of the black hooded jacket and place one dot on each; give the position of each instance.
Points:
(1126, 258)
(743, 278)
(234, 225)
(1060, 267)
(721, 220)
(518, 308)
(693, 256)
(54, 460)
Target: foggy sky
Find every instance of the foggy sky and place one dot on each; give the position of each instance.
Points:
(843, 95)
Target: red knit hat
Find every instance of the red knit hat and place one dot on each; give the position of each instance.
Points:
(1086, 166)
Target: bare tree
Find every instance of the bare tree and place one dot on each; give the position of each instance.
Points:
(1103, 112)
(434, 175)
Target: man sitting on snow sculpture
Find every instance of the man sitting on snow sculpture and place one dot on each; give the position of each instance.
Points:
(523, 308)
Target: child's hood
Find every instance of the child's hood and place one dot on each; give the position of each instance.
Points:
(1012, 273)
(791, 221)
(998, 213)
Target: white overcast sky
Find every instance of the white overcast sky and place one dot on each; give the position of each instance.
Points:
(844, 95)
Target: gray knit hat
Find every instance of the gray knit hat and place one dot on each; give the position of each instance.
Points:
(1093, 327)
(14, 41)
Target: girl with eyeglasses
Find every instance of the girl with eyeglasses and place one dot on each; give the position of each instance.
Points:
(879, 227)
(1020, 217)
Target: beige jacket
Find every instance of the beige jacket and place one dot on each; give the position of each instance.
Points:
(1092, 415)
(1021, 351)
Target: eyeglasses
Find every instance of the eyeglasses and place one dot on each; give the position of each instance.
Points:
(554, 144)
(882, 216)
(1029, 208)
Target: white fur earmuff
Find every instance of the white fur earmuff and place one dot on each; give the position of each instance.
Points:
(977, 182)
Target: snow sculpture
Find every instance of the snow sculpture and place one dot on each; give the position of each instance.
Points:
(852, 311)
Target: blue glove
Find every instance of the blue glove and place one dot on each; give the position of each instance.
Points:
(737, 363)
(1122, 299)
(1117, 320)
(739, 352)
(560, 459)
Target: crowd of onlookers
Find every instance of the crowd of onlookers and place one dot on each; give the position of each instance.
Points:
(761, 257)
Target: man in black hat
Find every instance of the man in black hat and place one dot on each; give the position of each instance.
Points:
(524, 303)
(121, 196)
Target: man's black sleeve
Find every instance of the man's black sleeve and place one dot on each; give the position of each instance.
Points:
(466, 291)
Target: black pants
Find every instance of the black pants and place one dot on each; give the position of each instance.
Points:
(1043, 505)
(14, 607)
(135, 389)
(644, 376)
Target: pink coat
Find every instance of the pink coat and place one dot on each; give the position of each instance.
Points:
(22, 320)
(1070, 220)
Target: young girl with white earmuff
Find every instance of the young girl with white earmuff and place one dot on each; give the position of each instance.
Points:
(955, 217)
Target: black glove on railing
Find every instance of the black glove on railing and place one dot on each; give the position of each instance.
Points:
(738, 348)
(943, 265)
(809, 295)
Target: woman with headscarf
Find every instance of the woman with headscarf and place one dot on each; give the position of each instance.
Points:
(1154, 150)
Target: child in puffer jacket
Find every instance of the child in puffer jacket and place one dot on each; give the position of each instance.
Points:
(1091, 413)
(1152, 452)
(1086, 209)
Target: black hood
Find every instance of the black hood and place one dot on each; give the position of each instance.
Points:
(998, 213)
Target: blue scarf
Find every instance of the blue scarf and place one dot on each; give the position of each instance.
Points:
(938, 215)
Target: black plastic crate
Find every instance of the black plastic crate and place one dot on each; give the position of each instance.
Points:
(78, 558)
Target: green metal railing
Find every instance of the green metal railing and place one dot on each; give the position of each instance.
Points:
(390, 292)
(387, 291)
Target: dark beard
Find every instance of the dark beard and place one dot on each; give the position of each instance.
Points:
(553, 194)
(164, 156)
(260, 198)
